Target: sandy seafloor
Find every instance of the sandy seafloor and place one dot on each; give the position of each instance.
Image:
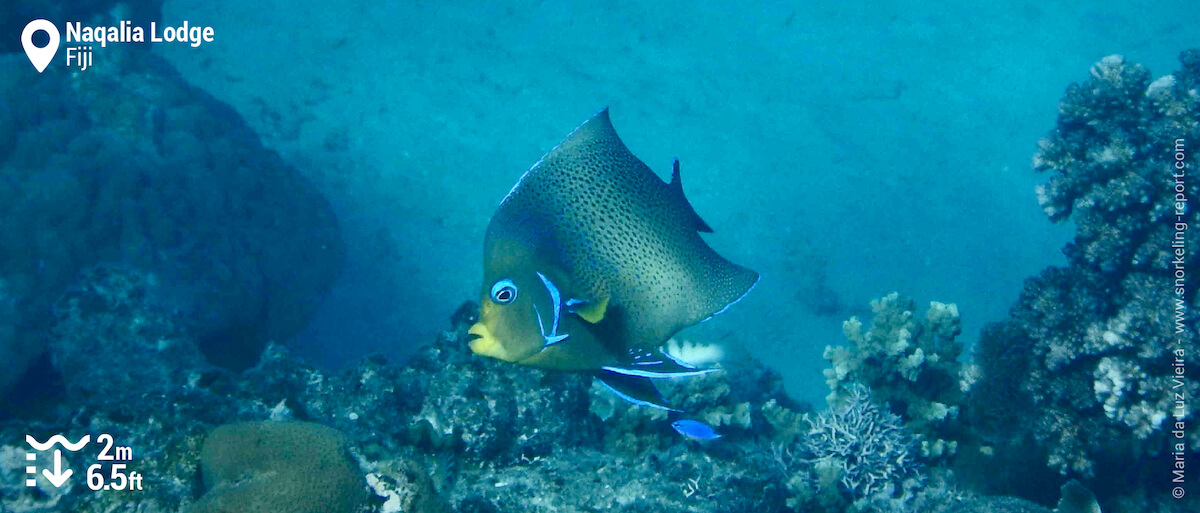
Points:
(853, 147)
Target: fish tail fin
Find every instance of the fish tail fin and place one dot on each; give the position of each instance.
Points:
(635, 389)
(676, 186)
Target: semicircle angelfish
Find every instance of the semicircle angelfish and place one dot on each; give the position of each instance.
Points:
(592, 262)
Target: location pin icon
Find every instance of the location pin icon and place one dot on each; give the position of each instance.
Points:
(40, 57)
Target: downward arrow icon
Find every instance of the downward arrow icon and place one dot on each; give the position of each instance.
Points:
(58, 477)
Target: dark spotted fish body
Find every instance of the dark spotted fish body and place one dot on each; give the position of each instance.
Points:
(593, 236)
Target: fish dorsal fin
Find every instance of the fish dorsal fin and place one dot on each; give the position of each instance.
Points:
(597, 132)
(600, 133)
(676, 187)
(1076, 498)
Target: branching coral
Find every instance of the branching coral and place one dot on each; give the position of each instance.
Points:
(1084, 366)
(867, 442)
(856, 451)
(911, 364)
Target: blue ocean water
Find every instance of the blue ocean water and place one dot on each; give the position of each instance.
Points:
(845, 150)
(254, 256)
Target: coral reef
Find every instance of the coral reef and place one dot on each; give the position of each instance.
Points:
(912, 365)
(128, 165)
(101, 323)
(855, 455)
(448, 431)
(16, 496)
(279, 466)
(167, 249)
(484, 410)
(865, 444)
(724, 399)
(1083, 373)
(405, 485)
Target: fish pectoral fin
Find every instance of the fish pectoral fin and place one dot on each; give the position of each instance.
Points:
(637, 390)
(655, 364)
(551, 340)
(591, 311)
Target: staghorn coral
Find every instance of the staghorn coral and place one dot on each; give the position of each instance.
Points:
(855, 454)
(868, 442)
(1084, 366)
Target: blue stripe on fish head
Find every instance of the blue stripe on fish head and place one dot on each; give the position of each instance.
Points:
(553, 337)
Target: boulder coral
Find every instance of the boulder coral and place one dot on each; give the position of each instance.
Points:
(298, 467)
(129, 165)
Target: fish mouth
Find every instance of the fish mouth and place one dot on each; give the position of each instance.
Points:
(483, 343)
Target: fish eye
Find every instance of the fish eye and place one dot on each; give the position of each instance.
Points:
(504, 292)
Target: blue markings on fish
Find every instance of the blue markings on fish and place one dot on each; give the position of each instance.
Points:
(555, 298)
(695, 430)
(656, 365)
(636, 391)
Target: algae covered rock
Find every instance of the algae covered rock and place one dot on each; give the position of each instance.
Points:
(279, 467)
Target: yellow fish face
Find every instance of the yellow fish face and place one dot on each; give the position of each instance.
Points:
(508, 326)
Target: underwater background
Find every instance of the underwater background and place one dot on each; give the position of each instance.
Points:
(284, 224)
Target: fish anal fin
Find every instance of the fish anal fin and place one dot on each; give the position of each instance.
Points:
(637, 390)
(677, 189)
(655, 364)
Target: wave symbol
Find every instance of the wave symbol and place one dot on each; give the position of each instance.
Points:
(58, 439)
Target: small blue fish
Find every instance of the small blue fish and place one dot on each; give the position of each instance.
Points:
(695, 430)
